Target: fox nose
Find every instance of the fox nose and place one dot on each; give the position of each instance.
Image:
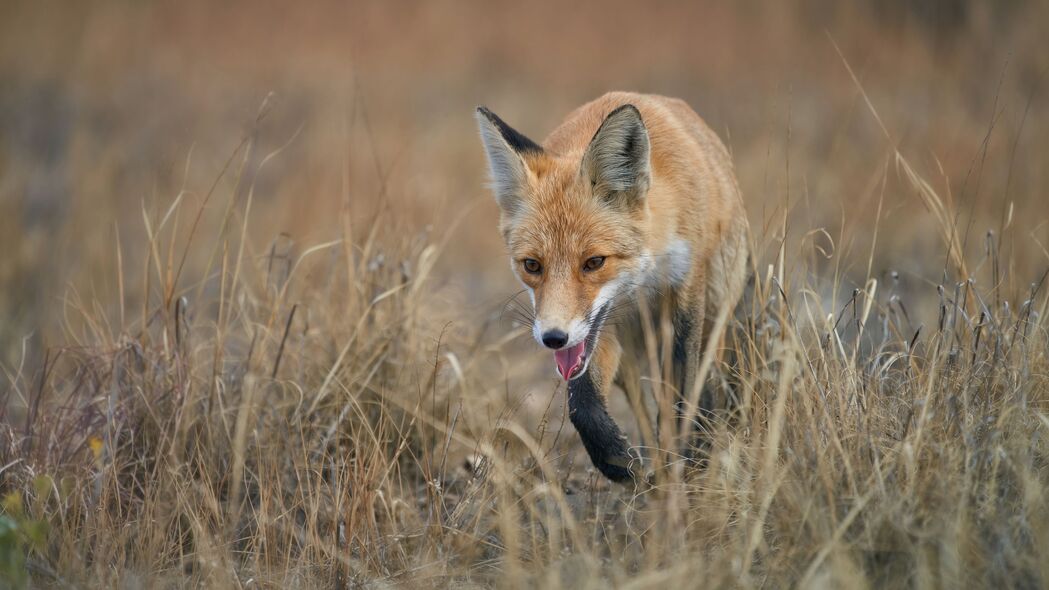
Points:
(555, 339)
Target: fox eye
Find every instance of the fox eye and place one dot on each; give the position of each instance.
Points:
(532, 266)
(593, 263)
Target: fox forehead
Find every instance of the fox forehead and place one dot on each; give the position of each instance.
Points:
(556, 230)
(561, 216)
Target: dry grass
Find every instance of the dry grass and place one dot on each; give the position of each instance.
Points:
(280, 354)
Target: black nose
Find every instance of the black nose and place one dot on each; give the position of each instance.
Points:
(555, 339)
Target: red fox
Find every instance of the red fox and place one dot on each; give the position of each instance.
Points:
(631, 192)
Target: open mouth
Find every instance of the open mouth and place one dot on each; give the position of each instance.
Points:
(572, 361)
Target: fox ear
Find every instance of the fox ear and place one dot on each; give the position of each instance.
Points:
(505, 147)
(617, 160)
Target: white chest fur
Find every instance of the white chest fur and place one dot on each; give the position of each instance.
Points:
(670, 266)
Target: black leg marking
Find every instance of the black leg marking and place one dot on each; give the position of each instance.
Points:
(682, 332)
(602, 438)
(697, 441)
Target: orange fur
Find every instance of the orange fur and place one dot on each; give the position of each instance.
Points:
(657, 199)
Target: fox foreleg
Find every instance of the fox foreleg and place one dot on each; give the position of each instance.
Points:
(602, 438)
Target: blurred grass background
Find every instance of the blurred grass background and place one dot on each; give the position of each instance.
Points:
(107, 108)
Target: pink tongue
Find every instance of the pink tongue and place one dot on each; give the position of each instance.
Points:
(569, 359)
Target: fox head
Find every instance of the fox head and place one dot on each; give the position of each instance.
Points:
(574, 224)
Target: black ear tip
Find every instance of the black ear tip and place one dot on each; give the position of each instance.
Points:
(511, 136)
(626, 109)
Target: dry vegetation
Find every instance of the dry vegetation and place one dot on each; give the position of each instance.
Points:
(256, 330)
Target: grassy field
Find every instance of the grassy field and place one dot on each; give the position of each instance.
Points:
(257, 328)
